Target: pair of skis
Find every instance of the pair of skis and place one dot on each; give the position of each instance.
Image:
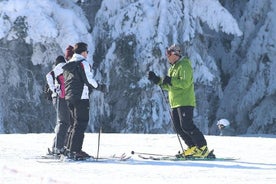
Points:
(125, 157)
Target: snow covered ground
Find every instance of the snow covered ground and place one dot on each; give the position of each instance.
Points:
(257, 163)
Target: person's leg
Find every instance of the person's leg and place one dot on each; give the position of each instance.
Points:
(177, 120)
(81, 118)
(63, 123)
(71, 109)
(56, 129)
(188, 126)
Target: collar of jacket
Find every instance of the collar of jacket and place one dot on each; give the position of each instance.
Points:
(77, 57)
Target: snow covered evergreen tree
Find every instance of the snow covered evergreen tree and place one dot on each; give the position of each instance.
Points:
(134, 40)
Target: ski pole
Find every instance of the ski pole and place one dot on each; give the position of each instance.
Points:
(99, 137)
(57, 125)
(167, 104)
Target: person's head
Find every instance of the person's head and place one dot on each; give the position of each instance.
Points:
(69, 52)
(222, 123)
(81, 48)
(173, 53)
(59, 59)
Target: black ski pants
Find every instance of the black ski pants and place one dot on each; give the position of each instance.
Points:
(185, 127)
(79, 117)
(62, 124)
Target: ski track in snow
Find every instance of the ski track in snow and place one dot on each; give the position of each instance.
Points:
(18, 163)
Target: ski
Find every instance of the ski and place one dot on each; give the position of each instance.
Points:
(49, 155)
(154, 156)
(53, 157)
(173, 158)
(63, 159)
(122, 157)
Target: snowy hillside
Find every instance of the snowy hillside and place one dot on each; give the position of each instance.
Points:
(256, 164)
(230, 43)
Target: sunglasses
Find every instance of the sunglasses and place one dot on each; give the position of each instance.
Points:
(169, 52)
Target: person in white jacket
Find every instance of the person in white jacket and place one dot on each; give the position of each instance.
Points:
(55, 81)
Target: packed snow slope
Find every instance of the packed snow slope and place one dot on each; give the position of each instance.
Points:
(256, 163)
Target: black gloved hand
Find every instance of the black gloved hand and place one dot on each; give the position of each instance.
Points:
(152, 77)
(167, 80)
(101, 87)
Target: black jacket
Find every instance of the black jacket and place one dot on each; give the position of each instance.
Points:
(74, 80)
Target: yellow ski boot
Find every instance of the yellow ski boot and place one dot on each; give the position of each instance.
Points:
(202, 152)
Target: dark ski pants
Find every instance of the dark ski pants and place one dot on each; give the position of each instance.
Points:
(185, 127)
(79, 117)
(62, 124)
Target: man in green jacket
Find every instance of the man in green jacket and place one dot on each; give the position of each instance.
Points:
(180, 86)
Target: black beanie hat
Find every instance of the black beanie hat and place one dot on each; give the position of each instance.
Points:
(80, 47)
(60, 59)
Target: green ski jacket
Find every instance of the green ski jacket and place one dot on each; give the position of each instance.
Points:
(181, 92)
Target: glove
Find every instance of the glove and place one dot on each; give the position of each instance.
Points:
(152, 77)
(101, 87)
(57, 90)
(167, 80)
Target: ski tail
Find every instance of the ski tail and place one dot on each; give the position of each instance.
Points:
(151, 154)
